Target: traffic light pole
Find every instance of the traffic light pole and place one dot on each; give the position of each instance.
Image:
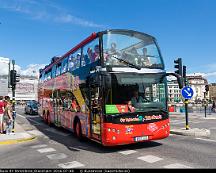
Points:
(13, 99)
(205, 102)
(186, 114)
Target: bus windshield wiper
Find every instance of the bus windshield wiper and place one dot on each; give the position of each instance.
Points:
(127, 63)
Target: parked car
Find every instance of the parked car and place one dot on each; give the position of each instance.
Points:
(31, 107)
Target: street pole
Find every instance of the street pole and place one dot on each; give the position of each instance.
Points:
(186, 114)
(13, 99)
(186, 100)
(205, 103)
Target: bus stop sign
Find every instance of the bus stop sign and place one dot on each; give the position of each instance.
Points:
(187, 92)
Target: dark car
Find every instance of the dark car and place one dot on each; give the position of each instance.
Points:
(31, 107)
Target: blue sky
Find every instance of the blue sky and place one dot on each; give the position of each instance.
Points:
(33, 31)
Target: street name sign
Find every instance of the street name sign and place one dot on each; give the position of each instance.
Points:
(187, 92)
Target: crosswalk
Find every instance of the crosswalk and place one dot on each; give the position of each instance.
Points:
(151, 159)
(43, 148)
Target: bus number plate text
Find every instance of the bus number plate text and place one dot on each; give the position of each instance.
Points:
(141, 138)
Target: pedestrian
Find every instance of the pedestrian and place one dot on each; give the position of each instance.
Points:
(213, 106)
(8, 118)
(2, 109)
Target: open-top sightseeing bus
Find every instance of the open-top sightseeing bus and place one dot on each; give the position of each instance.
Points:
(89, 90)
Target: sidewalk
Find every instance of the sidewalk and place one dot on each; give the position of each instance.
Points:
(20, 135)
(196, 132)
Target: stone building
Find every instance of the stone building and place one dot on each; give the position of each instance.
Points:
(212, 91)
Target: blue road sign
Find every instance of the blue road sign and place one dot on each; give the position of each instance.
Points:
(187, 92)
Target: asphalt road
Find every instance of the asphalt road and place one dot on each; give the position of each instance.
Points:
(58, 148)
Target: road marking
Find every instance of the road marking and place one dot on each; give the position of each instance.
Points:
(28, 119)
(150, 158)
(57, 132)
(21, 116)
(35, 132)
(46, 150)
(209, 140)
(177, 165)
(39, 146)
(176, 123)
(57, 156)
(69, 165)
(127, 152)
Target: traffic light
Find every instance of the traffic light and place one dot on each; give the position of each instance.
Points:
(184, 75)
(14, 77)
(206, 88)
(178, 66)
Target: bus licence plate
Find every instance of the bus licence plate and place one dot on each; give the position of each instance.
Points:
(141, 138)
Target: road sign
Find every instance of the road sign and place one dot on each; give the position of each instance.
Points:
(187, 92)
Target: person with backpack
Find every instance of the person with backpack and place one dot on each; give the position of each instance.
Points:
(2, 110)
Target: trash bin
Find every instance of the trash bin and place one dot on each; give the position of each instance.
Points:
(171, 109)
(182, 109)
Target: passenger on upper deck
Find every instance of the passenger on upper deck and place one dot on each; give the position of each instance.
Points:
(96, 54)
(111, 53)
(144, 58)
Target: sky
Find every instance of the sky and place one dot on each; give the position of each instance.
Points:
(33, 31)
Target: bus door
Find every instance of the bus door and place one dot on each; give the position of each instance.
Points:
(95, 108)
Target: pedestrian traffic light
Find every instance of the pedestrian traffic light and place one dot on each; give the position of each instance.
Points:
(178, 66)
(206, 88)
(14, 77)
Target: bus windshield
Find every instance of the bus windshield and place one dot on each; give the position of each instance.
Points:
(136, 93)
(135, 48)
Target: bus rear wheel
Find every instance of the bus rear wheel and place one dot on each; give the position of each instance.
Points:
(48, 120)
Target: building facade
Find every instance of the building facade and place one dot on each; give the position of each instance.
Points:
(174, 93)
(26, 89)
(212, 91)
(197, 83)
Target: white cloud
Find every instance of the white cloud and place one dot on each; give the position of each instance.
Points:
(47, 10)
(32, 70)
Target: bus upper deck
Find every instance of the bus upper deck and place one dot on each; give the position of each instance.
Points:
(110, 48)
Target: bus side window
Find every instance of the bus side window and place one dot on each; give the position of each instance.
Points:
(64, 65)
(91, 51)
(58, 69)
(71, 63)
(53, 71)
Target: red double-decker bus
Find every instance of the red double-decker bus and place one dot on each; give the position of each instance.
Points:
(110, 88)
